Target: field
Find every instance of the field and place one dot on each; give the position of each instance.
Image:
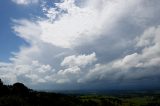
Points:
(123, 100)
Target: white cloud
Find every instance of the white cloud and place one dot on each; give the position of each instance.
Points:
(6, 73)
(71, 70)
(74, 66)
(59, 45)
(150, 37)
(27, 30)
(28, 74)
(81, 60)
(85, 24)
(25, 2)
(150, 52)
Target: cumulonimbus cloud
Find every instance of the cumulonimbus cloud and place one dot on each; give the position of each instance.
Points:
(82, 43)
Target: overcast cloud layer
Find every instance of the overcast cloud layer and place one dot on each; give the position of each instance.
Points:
(82, 44)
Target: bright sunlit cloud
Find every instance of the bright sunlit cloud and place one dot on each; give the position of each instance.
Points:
(87, 42)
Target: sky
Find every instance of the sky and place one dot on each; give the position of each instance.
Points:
(80, 44)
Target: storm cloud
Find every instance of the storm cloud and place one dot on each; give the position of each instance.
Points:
(88, 42)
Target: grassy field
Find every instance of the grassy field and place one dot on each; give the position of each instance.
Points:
(132, 99)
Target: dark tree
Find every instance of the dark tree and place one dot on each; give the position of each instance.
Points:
(3, 88)
(1, 83)
(19, 88)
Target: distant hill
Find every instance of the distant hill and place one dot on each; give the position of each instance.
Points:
(20, 95)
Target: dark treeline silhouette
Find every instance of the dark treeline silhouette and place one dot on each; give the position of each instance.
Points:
(20, 95)
(15, 89)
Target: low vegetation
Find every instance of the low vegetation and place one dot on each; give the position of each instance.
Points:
(19, 95)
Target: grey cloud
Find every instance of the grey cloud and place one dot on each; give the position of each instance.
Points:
(119, 47)
(134, 67)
